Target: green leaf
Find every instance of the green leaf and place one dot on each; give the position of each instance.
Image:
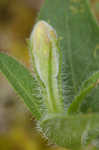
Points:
(93, 79)
(86, 88)
(75, 23)
(23, 82)
(73, 132)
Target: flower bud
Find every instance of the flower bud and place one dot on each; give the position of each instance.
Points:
(45, 51)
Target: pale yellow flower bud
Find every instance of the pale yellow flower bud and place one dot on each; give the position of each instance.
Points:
(45, 50)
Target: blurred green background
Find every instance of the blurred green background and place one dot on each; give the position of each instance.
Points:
(17, 125)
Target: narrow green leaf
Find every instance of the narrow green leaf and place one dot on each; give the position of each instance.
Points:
(73, 132)
(86, 88)
(23, 82)
(75, 23)
(93, 79)
(75, 105)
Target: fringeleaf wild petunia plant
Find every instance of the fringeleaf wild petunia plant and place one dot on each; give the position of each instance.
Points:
(63, 93)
